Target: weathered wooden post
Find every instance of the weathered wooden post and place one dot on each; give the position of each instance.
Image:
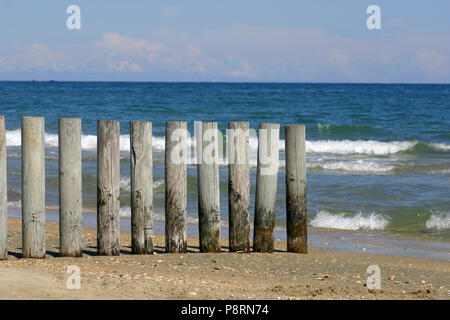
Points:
(208, 187)
(238, 186)
(296, 219)
(70, 186)
(108, 184)
(33, 187)
(176, 186)
(141, 187)
(266, 186)
(3, 193)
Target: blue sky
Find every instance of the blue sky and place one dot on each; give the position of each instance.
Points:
(209, 40)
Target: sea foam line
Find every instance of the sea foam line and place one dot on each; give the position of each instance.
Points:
(373, 221)
(370, 147)
(358, 146)
(438, 221)
(351, 166)
(125, 183)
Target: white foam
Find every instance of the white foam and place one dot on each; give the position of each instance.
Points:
(13, 138)
(15, 204)
(370, 147)
(323, 126)
(351, 166)
(373, 221)
(157, 183)
(438, 221)
(89, 142)
(125, 183)
(439, 171)
(158, 143)
(441, 146)
(125, 212)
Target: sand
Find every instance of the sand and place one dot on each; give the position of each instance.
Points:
(320, 274)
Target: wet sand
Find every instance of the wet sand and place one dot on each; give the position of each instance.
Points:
(321, 274)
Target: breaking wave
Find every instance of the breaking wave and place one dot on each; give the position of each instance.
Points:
(125, 183)
(341, 147)
(439, 221)
(351, 166)
(373, 221)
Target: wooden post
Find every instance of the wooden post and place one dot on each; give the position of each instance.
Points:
(296, 219)
(108, 184)
(70, 186)
(176, 186)
(33, 187)
(3, 193)
(238, 186)
(266, 187)
(141, 187)
(208, 188)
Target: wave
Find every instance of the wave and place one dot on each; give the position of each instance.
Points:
(125, 183)
(88, 142)
(14, 204)
(351, 166)
(158, 216)
(18, 205)
(376, 166)
(433, 168)
(440, 146)
(352, 129)
(373, 221)
(341, 147)
(125, 212)
(370, 147)
(439, 221)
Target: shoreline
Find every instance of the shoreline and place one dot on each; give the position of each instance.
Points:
(320, 274)
(335, 240)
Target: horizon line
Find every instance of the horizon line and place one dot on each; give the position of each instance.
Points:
(229, 82)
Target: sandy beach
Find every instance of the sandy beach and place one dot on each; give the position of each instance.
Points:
(320, 274)
(318, 128)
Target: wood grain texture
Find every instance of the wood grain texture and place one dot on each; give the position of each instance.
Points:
(70, 187)
(296, 217)
(266, 186)
(141, 187)
(3, 193)
(108, 187)
(176, 187)
(238, 186)
(208, 188)
(33, 187)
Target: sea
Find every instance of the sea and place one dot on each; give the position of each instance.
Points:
(378, 155)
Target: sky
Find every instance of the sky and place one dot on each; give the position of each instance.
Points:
(227, 40)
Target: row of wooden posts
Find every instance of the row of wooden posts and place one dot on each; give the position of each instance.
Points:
(108, 181)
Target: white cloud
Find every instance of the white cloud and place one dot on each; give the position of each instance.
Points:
(38, 57)
(117, 53)
(249, 53)
(432, 61)
(341, 61)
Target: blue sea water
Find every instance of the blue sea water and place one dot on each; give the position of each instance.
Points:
(378, 155)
